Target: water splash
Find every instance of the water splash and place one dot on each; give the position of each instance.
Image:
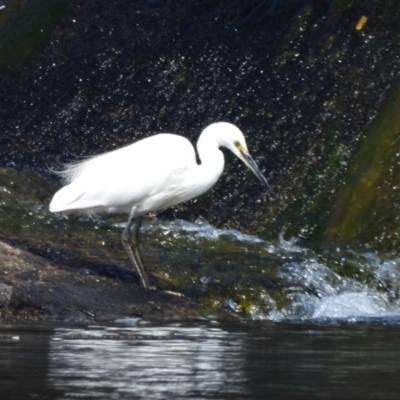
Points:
(319, 289)
(321, 285)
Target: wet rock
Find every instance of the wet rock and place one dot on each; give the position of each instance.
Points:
(33, 288)
(5, 294)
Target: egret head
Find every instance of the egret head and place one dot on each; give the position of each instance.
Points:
(232, 138)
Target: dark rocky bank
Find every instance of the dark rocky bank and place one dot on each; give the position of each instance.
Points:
(34, 289)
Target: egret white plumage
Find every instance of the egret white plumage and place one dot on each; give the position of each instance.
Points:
(148, 176)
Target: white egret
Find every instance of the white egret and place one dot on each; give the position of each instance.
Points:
(148, 176)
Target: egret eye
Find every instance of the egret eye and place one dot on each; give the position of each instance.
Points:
(237, 144)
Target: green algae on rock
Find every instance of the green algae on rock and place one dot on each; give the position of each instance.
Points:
(367, 206)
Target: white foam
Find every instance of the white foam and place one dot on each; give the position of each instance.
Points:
(351, 305)
(200, 229)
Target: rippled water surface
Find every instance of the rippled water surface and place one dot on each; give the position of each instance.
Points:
(202, 360)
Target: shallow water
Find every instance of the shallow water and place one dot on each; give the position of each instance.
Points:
(201, 360)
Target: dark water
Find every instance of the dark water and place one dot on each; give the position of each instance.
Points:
(203, 360)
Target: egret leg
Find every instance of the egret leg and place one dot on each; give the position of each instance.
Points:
(135, 254)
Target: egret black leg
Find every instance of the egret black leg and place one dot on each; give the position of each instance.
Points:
(135, 241)
(135, 254)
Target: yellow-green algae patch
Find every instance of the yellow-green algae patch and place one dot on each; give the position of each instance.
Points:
(367, 207)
